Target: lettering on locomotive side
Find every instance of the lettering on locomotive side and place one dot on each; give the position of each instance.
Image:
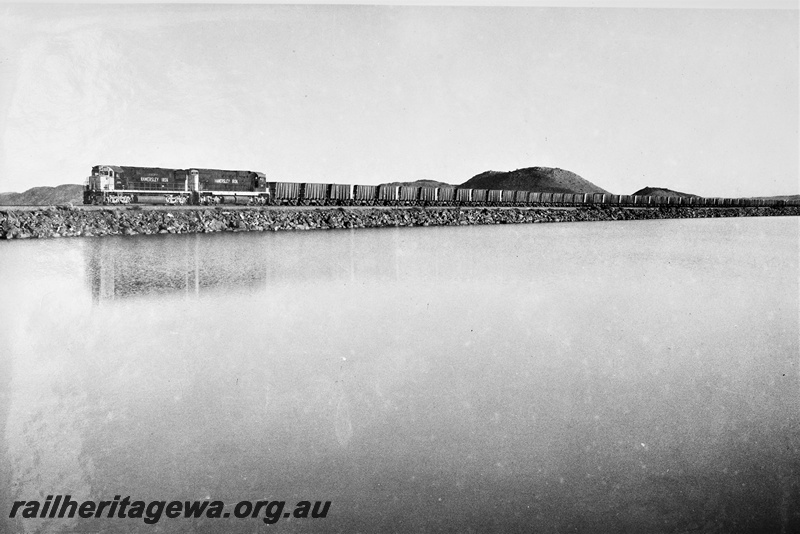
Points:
(226, 181)
(153, 179)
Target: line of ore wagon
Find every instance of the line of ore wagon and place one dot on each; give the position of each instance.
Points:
(110, 184)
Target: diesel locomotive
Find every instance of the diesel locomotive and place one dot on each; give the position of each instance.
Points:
(110, 184)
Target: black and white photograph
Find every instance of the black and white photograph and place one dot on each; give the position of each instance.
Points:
(400, 268)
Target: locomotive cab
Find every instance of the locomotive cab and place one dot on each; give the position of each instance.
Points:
(102, 178)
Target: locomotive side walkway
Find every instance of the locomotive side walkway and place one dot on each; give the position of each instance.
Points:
(43, 222)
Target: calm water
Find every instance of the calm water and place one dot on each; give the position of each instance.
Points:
(582, 377)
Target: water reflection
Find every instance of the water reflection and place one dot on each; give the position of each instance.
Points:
(195, 263)
(598, 377)
(121, 267)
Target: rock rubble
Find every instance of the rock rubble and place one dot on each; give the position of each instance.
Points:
(71, 222)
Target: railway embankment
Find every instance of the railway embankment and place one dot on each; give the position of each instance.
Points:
(48, 222)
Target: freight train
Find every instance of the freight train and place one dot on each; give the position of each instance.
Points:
(110, 184)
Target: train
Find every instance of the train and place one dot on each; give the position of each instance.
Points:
(111, 184)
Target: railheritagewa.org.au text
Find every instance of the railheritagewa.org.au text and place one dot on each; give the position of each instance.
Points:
(151, 512)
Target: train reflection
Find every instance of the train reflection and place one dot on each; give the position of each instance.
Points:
(195, 264)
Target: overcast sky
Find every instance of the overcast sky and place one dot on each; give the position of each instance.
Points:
(698, 100)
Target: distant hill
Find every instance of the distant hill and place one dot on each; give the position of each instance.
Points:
(44, 196)
(783, 197)
(662, 192)
(542, 179)
(420, 183)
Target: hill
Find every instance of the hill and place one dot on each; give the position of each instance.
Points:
(425, 183)
(44, 196)
(541, 179)
(662, 192)
(783, 197)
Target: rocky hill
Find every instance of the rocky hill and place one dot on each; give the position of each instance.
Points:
(542, 179)
(662, 192)
(44, 196)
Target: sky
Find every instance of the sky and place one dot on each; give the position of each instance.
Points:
(702, 101)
